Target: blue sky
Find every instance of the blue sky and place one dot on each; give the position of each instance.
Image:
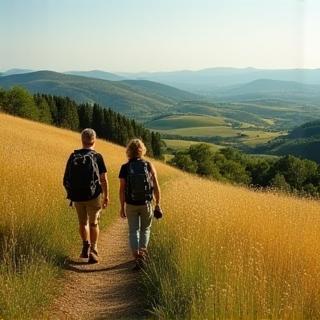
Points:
(158, 35)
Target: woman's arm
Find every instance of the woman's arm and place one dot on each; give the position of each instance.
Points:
(122, 197)
(157, 192)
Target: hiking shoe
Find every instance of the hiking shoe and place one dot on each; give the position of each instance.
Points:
(140, 265)
(85, 251)
(137, 266)
(93, 256)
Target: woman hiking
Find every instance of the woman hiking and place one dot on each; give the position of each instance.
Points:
(138, 187)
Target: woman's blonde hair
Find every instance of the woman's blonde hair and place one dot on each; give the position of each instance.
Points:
(136, 149)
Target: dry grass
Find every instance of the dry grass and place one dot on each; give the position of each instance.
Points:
(224, 252)
(37, 228)
(221, 252)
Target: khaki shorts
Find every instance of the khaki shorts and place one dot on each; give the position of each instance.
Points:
(89, 210)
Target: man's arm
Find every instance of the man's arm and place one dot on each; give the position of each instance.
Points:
(157, 192)
(122, 197)
(105, 189)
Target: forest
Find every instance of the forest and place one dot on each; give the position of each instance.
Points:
(66, 113)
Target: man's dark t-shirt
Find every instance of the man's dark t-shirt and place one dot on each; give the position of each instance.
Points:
(100, 162)
(123, 175)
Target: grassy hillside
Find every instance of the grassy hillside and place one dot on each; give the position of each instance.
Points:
(174, 145)
(138, 100)
(185, 121)
(283, 115)
(226, 253)
(303, 141)
(38, 229)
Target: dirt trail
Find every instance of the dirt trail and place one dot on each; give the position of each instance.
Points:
(107, 290)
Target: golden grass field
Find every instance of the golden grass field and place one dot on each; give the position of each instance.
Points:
(38, 229)
(224, 252)
(221, 251)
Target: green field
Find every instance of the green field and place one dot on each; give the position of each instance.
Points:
(222, 131)
(210, 127)
(185, 121)
(185, 144)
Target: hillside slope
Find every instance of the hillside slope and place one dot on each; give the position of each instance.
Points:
(226, 250)
(303, 141)
(135, 99)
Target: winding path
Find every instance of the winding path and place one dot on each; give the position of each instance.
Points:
(107, 290)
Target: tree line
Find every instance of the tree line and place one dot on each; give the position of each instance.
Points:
(66, 113)
(287, 173)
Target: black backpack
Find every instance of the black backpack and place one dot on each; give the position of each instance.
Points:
(139, 184)
(82, 176)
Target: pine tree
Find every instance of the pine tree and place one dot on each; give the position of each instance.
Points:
(43, 109)
(156, 144)
(97, 120)
(85, 116)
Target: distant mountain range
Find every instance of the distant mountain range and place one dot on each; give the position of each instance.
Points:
(14, 71)
(272, 89)
(137, 99)
(203, 81)
(288, 103)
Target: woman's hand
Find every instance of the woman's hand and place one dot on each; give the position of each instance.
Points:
(123, 213)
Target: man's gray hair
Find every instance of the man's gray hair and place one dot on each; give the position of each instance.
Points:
(88, 136)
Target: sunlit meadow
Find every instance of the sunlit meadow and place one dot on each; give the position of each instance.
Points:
(220, 252)
(225, 252)
(38, 229)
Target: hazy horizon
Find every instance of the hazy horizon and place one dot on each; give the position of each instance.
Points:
(153, 71)
(151, 36)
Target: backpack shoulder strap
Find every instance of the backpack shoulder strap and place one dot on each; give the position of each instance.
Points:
(92, 154)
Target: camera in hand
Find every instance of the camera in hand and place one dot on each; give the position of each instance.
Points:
(157, 213)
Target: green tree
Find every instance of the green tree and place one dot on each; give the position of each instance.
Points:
(184, 162)
(296, 172)
(234, 171)
(21, 103)
(279, 182)
(85, 116)
(203, 155)
(260, 171)
(3, 98)
(156, 144)
(43, 109)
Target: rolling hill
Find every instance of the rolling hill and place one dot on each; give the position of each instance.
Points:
(289, 91)
(140, 100)
(264, 104)
(98, 74)
(303, 141)
(14, 71)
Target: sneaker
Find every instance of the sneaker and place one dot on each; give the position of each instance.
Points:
(140, 264)
(137, 267)
(85, 251)
(93, 256)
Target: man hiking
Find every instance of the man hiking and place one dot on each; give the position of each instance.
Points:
(85, 180)
(138, 186)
